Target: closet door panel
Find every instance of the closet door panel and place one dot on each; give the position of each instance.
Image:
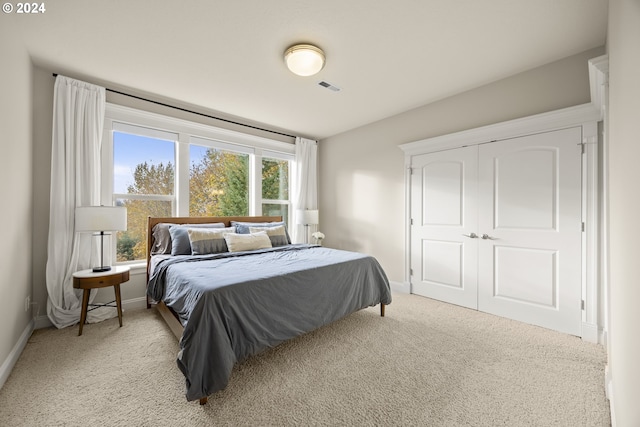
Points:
(443, 210)
(525, 189)
(525, 275)
(529, 265)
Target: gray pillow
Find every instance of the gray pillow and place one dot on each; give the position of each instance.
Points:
(243, 227)
(161, 239)
(180, 244)
(277, 234)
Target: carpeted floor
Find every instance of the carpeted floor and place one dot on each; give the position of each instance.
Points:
(425, 364)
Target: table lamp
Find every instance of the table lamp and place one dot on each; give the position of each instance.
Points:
(99, 219)
(307, 217)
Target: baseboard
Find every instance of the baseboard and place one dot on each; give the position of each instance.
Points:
(14, 355)
(590, 333)
(130, 304)
(134, 303)
(607, 381)
(608, 387)
(400, 287)
(42, 322)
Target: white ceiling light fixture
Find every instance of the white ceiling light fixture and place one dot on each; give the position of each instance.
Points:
(304, 59)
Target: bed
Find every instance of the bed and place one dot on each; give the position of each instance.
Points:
(227, 297)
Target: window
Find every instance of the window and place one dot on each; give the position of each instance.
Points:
(143, 182)
(161, 166)
(275, 186)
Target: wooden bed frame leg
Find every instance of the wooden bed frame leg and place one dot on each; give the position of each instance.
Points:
(382, 310)
(203, 400)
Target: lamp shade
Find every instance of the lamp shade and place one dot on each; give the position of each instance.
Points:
(304, 59)
(307, 216)
(101, 218)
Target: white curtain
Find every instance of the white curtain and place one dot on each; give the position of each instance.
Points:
(305, 183)
(78, 117)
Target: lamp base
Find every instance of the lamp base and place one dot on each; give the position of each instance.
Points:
(101, 269)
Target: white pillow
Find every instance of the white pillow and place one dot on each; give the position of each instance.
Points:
(247, 242)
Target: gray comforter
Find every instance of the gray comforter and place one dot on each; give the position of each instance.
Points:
(234, 305)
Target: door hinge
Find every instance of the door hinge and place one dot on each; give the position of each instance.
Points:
(583, 226)
(582, 305)
(411, 221)
(411, 272)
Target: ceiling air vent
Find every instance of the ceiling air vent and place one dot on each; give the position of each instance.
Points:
(329, 86)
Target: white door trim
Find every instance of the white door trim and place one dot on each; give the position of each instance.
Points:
(587, 116)
(591, 327)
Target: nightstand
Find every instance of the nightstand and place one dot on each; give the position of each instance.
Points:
(87, 280)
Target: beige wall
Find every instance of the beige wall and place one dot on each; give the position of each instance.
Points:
(624, 205)
(15, 188)
(362, 204)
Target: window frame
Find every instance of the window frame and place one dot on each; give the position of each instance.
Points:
(186, 133)
(277, 156)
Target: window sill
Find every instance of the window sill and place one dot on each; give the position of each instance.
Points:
(136, 267)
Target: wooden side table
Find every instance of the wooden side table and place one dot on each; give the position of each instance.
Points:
(87, 280)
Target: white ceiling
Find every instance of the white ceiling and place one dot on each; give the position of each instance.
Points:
(227, 56)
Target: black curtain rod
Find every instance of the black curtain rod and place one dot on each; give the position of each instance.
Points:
(194, 112)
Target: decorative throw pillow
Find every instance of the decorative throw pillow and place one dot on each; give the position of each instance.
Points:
(247, 242)
(243, 227)
(208, 240)
(277, 234)
(180, 244)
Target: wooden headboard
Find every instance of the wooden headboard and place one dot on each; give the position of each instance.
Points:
(151, 222)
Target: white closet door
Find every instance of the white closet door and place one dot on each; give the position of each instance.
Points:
(444, 209)
(530, 213)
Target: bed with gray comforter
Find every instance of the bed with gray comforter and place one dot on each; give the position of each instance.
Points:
(233, 305)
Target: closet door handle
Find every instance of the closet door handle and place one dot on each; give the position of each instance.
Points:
(471, 236)
(487, 237)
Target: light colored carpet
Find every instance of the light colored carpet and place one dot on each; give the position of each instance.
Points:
(426, 363)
